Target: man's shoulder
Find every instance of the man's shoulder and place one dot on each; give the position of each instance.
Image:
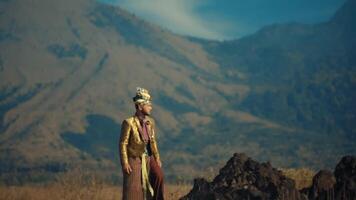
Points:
(128, 120)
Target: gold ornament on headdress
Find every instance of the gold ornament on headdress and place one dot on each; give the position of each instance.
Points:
(142, 96)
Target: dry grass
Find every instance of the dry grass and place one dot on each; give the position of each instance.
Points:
(303, 177)
(176, 191)
(78, 185)
(58, 192)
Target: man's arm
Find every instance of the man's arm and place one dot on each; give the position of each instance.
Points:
(124, 140)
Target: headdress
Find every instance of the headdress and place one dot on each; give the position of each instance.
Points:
(142, 96)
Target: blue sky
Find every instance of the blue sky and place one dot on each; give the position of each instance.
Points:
(227, 19)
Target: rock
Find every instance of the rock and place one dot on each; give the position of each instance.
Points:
(345, 174)
(243, 178)
(323, 186)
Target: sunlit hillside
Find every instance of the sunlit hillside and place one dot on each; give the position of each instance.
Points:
(68, 71)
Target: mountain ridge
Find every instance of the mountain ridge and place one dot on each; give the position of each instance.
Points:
(67, 81)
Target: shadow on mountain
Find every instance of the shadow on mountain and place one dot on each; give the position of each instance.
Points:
(13, 98)
(173, 105)
(100, 138)
(73, 50)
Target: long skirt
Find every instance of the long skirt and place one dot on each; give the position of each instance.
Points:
(132, 186)
(156, 180)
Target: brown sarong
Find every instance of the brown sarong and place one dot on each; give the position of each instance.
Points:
(156, 180)
(132, 186)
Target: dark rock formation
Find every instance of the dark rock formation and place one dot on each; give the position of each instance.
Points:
(323, 186)
(243, 178)
(345, 173)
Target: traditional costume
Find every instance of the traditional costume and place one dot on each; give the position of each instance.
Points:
(138, 148)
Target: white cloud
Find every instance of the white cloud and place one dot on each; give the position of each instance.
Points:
(180, 16)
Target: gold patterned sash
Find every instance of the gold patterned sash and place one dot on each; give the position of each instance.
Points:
(144, 176)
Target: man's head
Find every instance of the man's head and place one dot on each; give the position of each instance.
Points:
(143, 101)
(144, 108)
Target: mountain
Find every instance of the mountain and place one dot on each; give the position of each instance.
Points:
(68, 71)
(302, 75)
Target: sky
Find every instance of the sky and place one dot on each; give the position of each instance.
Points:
(227, 19)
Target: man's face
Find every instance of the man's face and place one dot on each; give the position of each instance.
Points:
(146, 108)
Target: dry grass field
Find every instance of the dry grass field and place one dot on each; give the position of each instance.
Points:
(79, 185)
(60, 192)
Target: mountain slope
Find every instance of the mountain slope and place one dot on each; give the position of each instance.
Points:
(301, 75)
(69, 70)
(70, 66)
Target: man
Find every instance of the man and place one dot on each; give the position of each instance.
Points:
(140, 160)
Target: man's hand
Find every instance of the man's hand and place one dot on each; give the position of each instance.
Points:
(159, 162)
(127, 168)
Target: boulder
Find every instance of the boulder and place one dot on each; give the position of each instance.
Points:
(323, 186)
(243, 178)
(345, 174)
